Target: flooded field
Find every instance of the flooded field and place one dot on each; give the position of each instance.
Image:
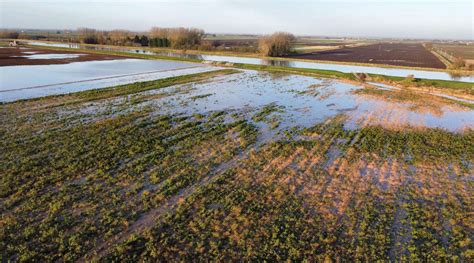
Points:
(224, 162)
(43, 80)
(426, 74)
(299, 101)
(14, 56)
(52, 56)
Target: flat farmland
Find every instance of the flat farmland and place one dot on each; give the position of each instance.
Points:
(462, 51)
(397, 54)
(453, 51)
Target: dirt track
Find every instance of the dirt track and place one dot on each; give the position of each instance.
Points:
(397, 54)
(19, 56)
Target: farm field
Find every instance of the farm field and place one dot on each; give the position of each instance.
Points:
(457, 50)
(236, 165)
(397, 54)
(452, 52)
(304, 45)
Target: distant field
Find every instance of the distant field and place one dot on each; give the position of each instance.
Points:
(304, 48)
(398, 54)
(463, 51)
(233, 42)
(230, 37)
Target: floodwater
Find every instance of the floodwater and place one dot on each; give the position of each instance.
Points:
(426, 74)
(302, 102)
(51, 56)
(21, 82)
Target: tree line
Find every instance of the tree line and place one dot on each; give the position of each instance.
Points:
(277, 44)
(178, 38)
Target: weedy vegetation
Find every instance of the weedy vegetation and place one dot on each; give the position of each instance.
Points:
(101, 175)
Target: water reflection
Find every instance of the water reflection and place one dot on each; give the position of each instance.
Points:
(278, 63)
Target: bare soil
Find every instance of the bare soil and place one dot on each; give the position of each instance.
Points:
(14, 56)
(397, 54)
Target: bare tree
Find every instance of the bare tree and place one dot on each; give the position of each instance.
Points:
(277, 44)
(178, 37)
(458, 63)
(119, 36)
(88, 35)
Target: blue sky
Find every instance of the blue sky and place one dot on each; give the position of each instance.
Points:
(449, 19)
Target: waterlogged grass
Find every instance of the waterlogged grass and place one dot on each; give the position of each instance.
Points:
(105, 93)
(417, 99)
(457, 86)
(313, 72)
(130, 183)
(266, 115)
(301, 200)
(71, 186)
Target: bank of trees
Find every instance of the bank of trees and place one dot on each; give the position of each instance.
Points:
(157, 37)
(115, 37)
(176, 37)
(277, 44)
(89, 35)
(11, 34)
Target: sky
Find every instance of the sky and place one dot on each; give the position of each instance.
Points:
(432, 19)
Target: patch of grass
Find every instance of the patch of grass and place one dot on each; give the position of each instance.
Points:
(266, 111)
(197, 97)
(300, 197)
(459, 86)
(416, 98)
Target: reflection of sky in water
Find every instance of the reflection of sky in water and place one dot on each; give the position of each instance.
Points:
(304, 105)
(52, 56)
(13, 95)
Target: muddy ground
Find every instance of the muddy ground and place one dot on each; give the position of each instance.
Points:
(397, 54)
(10, 56)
